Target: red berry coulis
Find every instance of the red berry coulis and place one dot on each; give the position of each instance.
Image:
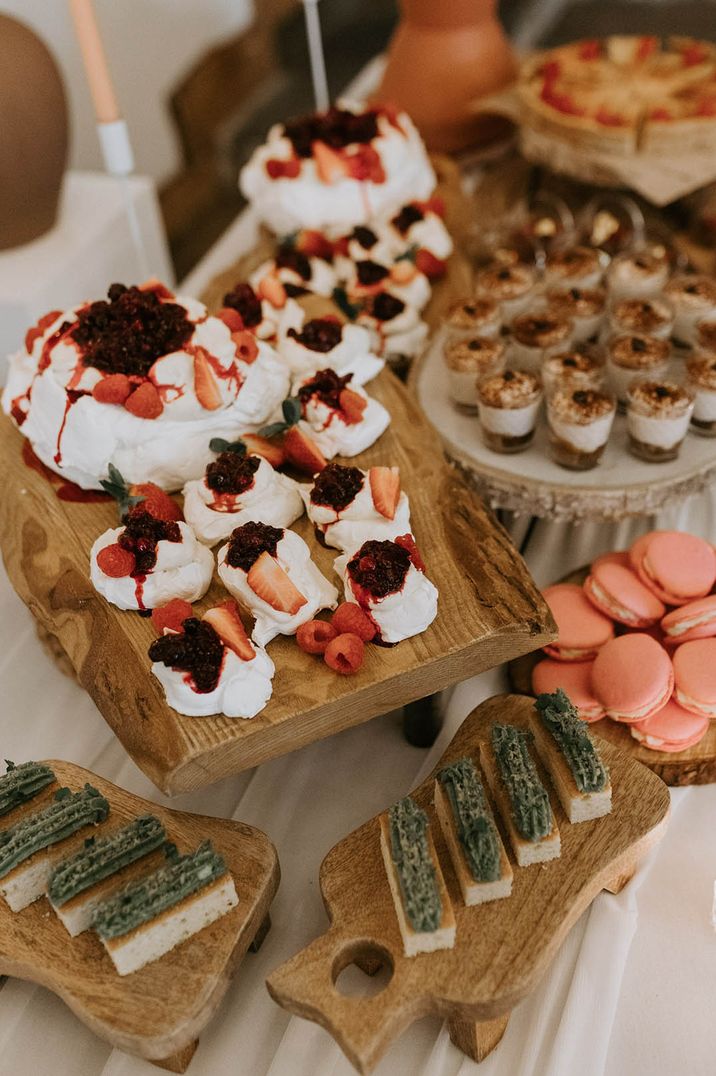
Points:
(380, 567)
(141, 534)
(326, 386)
(287, 257)
(385, 307)
(197, 650)
(319, 334)
(336, 486)
(365, 237)
(247, 543)
(370, 273)
(232, 473)
(246, 302)
(337, 127)
(408, 216)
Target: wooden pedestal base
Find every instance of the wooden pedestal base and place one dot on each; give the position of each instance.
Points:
(477, 1039)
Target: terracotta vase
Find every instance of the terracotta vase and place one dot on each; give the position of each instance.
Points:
(33, 121)
(443, 56)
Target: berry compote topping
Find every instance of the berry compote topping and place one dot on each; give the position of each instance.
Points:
(247, 543)
(408, 216)
(337, 127)
(380, 567)
(294, 291)
(232, 473)
(336, 486)
(366, 237)
(128, 333)
(319, 334)
(197, 649)
(325, 385)
(385, 307)
(288, 257)
(141, 534)
(369, 273)
(244, 299)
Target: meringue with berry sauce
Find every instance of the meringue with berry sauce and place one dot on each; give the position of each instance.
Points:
(347, 506)
(332, 170)
(210, 666)
(143, 380)
(239, 486)
(296, 272)
(270, 571)
(339, 419)
(309, 344)
(420, 226)
(149, 562)
(401, 278)
(256, 314)
(396, 327)
(387, 580)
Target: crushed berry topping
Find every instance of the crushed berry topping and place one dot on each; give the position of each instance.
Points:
(369, 273)
(290, 258)
(327, 386)
(244, 299)
(365, 236)
(294, 291)
(319, 334)
(232, 472)
(380, 567)
(336, 486)
(141, 534)
(385, 306)
(408, 216)
(197, 649)
(337, 127)
(247, 543)
(128, 333)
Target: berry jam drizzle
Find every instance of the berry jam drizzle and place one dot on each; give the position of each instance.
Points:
(229, 476)
(247, 543)
(377, 570)
(196, 650)
(336, 487)
(140, 536)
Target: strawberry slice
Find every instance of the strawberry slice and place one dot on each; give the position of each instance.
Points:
(227, 624)
(385, 489)
(156, 501)
(287, 169)
(270, 582)
(205, 386)
(246, 347)
(314, 244)
(408, 542)
(261, 446)
(426, 262)
(302, 452)
(352, 404)
(271, 289)
(331, 167)
(231, 318)
(403, 271)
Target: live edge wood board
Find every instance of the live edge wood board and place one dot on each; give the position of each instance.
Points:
(159, 1011)
(502, 949)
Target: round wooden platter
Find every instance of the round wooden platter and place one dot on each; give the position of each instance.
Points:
(695, 766)
(159, 1011)
(530, 483)
(502, 948)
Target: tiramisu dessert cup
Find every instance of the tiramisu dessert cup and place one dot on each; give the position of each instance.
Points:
(581, 368)
(269, 571)
(537, 335)
(575, 267)
(508, 405)
(143, 380)
(637, 275)
(472, 317)
(309, 345)
(630, 357)
(511, 286)
(693, 297)
(469, 361)
(580, 421)
(583, 306)
(658, 417)
(238, 487)
(705, 335)
(330, 171)
(701, 380)
(387, 580)
(642, 317)
(210, 666)
(148, 562)
(347, 506)
(339, 419)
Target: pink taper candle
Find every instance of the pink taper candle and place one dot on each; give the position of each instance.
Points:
(95, 61)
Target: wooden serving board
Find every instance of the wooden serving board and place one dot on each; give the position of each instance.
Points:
(694, 766)
(159, 1011)
(502, 949)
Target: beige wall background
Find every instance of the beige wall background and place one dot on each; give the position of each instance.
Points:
(150, 44)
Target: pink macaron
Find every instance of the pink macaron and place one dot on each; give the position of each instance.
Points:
(676, 566)
(672, 729)
(575, 679)
(636, 549)
(695, 676)
(582, 629)
(697, 620)
(621, 558)
(632, 677)
(616, 591)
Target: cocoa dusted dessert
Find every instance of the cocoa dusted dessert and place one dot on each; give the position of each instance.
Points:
(581, 368)
(706, 335)
(575, 267)
(701, 380)
(658, 417)
(631, 356)
(536, 336)
(580, 421)
(651, 317)
(472, 317)
(512, 286)
(693, 297)
(468, 362)
(508, 405)
(583, 306)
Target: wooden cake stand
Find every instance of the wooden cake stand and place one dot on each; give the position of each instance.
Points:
(694, 766)
(502, 949)
(159, 1011)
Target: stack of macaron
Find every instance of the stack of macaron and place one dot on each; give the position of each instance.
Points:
(637, 642)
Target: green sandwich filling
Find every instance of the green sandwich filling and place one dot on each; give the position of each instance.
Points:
(562, 721)
(473, 819)
(410, 853)
(70, 812)
(22, 783)
(529, 802)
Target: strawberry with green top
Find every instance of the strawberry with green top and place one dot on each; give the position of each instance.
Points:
(153, 499)
(299, 449)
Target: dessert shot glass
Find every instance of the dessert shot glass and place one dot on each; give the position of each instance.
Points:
(581, 368)
(693, 297)
(701, 380)
(508, 405)
(658, 417)
(579, 422)
(637, 275)
(467, 363)
(585, 308)
(536, 335)
(472, 317)
(631, 357)
(511, 285)
(705, 335)
(575, 267)
(645, 317)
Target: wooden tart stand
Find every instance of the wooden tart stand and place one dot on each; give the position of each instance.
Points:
(159, 1011)
(694, 766)
(502, 949)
